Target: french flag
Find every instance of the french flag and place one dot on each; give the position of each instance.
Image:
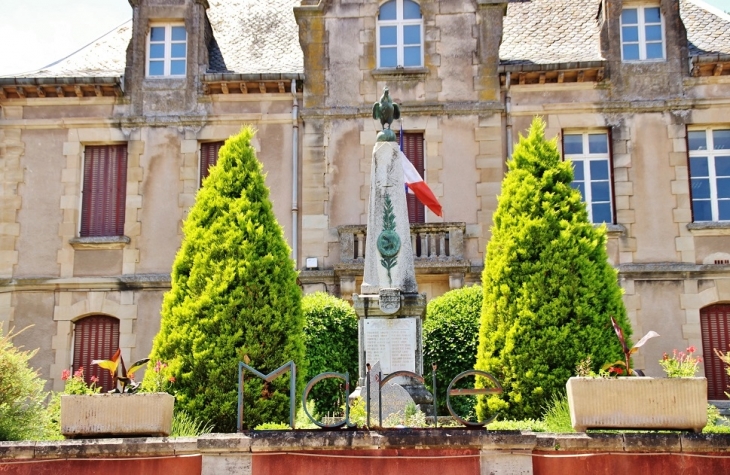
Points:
(416, 185)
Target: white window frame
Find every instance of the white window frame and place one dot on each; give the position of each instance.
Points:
(399, 23)
(586, 157)
(711, 154)
(167, 58)
(641, 26)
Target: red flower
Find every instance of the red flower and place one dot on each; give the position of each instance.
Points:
(691, 349)
(65, 374)
(665, 357)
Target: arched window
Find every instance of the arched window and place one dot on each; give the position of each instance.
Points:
(95, 338)
(400, 35)
(715, 325)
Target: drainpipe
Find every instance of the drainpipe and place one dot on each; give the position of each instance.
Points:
(295, 175)
(508, 111)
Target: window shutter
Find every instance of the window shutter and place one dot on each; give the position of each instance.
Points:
(105, 189)
(95, 338)
(413, 149)
(208, 157)
(714, 322)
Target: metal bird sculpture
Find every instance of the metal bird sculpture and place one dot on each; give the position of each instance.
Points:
(386, 110)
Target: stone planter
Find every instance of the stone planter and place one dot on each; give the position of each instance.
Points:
(127, 415)
(637, 403)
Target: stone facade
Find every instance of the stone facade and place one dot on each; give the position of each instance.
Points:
(305, 74)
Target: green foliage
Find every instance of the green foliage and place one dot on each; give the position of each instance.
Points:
(330, 337)
(450, 338)
(680, 364)
(716, 424)
(411, 417)
(557, 414)
(301, 420)
(76, 384)
(186, 425)
(527, 424)
(359, 414)
(234, 297)
(549, 291)
(23, 414)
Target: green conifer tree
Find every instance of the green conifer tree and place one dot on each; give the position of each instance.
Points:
(234, 297)
(549, 290)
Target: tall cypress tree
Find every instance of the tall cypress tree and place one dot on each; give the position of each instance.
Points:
(549, 290)
(234, 298)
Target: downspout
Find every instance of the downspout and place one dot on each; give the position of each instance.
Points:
(295, 175)
(508, 113)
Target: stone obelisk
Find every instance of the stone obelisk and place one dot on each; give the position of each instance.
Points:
(389, 307)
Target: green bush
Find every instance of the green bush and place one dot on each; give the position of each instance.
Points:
(549, 291)
(23, 414)
(450, 338)
(234, 297)
(330, 338)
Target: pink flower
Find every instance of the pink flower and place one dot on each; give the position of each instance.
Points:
(65, 374)
(94, 379)
(691, 349)
(79, 373)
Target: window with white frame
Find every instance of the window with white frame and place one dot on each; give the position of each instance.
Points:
(400, 35)
(591, 159)
(642, 33)
(167, 47)
(709, 171)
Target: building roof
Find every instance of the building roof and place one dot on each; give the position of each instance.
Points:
(261, 37)
(551, 31)
(561, 31)
(104, 57)
(708, 28)
(256, 37)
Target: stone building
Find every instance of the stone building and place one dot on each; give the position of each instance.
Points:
(102, 152)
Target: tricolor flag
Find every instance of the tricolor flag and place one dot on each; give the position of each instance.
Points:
(417, 186)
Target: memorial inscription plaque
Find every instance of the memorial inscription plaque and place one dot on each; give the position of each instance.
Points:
(392, 341)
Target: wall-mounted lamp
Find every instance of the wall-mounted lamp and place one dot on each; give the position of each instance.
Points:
(311, 263)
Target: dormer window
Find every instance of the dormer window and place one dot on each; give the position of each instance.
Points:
(167, 50)
(642, 34)
(400, 35)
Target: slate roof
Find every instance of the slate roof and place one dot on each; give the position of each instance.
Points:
(261, 36)
(104, 57)
(257, 36)
(708, 28)
(551, 31)
(559, 31)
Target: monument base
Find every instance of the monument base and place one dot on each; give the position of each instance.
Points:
(389, 333)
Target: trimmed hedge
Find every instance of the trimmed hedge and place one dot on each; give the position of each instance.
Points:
(450, 339)
(330, 336)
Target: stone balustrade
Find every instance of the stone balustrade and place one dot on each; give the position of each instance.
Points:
(431, 242)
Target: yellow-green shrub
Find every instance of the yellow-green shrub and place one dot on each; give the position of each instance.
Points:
(549, 290)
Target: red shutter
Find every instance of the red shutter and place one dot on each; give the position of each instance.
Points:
(105, 190)
(413, 149)
(208, 157)
(95, 338)
(715, 324)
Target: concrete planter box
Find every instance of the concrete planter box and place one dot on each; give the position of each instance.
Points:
(129, 415)
(637, 403)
